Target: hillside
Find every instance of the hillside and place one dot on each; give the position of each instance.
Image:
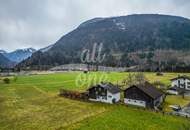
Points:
(159, 41)
(4, 62)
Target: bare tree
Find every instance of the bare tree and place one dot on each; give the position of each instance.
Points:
(140, 78)
(130, 79)
(134, 78)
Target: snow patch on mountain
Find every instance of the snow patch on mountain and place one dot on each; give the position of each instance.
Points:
(46, 48)
(29, 50)
(20, 54)
(120, 25)
(91, 22)
(2, 52)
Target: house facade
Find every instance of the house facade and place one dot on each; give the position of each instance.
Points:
(175, 91)
(144, 95)
(106, 92)
(182, 82)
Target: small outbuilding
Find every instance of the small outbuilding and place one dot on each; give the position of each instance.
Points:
(105, 92)
(182, 82)
(175, 91)
(144, 95)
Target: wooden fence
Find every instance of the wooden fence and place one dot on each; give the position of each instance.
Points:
(73, 94)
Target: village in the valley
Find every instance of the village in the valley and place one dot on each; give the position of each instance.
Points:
(141, 94)
(94, 65)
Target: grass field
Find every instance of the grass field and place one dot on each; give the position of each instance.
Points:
(120, 117)
(31, 103)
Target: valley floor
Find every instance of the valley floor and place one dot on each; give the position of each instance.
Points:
(32, 103)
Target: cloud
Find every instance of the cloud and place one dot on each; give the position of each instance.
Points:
(39, 23)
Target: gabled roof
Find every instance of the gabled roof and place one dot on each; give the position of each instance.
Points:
(181, 77)
(110, 87)
(149, 89)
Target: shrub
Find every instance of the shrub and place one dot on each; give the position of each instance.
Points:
(15, 78)
(159, 74)
(159, 84)
(6, 80)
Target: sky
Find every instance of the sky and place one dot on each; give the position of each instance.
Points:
(39, 23)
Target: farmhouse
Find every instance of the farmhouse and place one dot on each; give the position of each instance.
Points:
(182, 82)
(105, 92)
(144, 95)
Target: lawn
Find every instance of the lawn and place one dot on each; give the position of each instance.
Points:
(175, 100)
(28, 108)
(123, 118)
(31, 103)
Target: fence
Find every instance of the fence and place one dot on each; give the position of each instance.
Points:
(73, 94)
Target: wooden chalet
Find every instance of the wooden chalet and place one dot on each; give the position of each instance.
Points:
(144, 95)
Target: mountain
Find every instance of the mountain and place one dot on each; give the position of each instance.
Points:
(147, 41)
(19, 55)
(4, 62)
(2, 52)
(46, 48)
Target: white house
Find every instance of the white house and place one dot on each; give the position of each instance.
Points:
(105, 92)
(182, 82)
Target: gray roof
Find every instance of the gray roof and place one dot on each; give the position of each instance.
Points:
(110, 87)
(181, 77)
(149, 89)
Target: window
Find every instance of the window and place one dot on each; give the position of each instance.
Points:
(110, 96)
(178, 82)
(103, 97)
(103, 93)
(157, 103)
(182, 85)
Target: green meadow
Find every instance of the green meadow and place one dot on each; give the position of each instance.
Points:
(32, 103)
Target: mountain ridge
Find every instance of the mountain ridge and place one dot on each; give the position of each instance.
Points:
(19, 54)
(2, 51)
(120, 35)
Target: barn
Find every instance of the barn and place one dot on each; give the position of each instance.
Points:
(144, 95)
(104, 92)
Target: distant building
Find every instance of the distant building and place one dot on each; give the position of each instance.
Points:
(105, 92)
(182, 82)
(144, 95)
(175, 91)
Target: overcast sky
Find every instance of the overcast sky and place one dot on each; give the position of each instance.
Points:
(39, 23)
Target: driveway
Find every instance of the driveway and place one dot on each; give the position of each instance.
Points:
(185, 112)
(187, 93)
